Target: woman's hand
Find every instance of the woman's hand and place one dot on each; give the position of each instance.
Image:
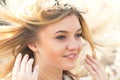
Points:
(22, 69)
(95, 68)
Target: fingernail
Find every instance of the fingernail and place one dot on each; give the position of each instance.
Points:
(88, 56)
(32, 59)
(26, 55)
(19, 54)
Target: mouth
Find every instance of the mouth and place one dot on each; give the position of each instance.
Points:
(70, 56)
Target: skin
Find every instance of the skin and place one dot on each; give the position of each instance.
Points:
(55, 42)
(23, 69)
(95, 68)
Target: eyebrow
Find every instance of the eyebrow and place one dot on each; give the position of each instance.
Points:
(63, 31)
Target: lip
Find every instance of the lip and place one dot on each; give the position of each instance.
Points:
(70, 56)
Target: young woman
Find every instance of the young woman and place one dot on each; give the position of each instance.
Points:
(45, 40)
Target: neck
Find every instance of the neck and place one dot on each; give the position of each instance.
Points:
(47, 72)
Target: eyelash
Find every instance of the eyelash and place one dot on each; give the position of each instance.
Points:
(60, 37)
(78, 35)
(63, 37)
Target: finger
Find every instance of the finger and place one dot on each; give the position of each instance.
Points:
(91, 64)
(36, 72)
(23, 63)
(29, 66)
(95, 67)
(96, 62)
(17, 63)
(93, 73)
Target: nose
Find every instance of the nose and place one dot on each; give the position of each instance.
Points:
(74, 44)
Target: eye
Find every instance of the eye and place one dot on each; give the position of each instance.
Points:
(78, 35)
(60, 37)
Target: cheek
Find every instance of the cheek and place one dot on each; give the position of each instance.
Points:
(56, 48)
(52, 51)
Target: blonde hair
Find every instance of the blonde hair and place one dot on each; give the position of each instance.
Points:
(23, 21)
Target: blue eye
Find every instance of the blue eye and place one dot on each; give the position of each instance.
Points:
(60, 37)
(78, 35)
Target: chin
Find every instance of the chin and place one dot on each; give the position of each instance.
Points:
(69, 67)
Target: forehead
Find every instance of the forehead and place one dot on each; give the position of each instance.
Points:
(70, 22)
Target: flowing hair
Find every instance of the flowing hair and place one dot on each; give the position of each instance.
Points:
(20, 20)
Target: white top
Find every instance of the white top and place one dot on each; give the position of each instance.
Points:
(83, 78)
(87, 78)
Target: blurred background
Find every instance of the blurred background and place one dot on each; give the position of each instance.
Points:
(103, 19)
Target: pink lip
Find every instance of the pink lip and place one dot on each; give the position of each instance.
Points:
(70, 56)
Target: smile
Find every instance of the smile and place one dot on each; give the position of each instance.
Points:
(70, 56)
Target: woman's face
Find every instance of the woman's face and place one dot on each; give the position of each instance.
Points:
(60, 43)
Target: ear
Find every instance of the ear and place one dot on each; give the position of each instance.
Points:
(33, 46)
